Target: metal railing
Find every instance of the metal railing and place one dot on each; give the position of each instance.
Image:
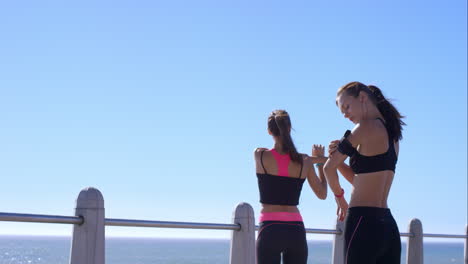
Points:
(77, 220)
(88, 238)
(168, 224)
(36, 218)
(445, 236)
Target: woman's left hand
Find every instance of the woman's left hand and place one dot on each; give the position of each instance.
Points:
(318, 150)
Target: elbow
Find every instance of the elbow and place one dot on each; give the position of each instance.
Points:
(323, 192)
(323, 195)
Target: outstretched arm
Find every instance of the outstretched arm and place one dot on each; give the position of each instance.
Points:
(316, 183)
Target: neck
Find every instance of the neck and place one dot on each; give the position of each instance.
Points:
(373, 113)
(278, 146)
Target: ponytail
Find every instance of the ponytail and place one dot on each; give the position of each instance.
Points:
(389, 112)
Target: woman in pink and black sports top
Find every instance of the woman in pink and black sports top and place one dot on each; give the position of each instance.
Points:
(281, 173)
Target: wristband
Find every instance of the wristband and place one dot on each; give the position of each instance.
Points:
(340, 195)
(318, 164)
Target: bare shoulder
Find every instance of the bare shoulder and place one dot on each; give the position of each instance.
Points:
(363, 126)
(366, 129)
(370, 131)
(258, 151)
(357, 134)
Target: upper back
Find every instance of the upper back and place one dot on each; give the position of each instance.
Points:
(277, 164)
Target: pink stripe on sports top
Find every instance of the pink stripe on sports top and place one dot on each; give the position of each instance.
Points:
(281, 216)
(282, 161)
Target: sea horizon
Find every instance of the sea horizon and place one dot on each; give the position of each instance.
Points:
(403, 240)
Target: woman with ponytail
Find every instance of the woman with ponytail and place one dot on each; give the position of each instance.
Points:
(371, 233)
(281, 172)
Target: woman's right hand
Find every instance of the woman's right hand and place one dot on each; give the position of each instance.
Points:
(332, 147)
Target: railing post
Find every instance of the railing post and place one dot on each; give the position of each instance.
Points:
(88, 238)
(339, 244)
(414, 249)
(243, 240)
(466, 245)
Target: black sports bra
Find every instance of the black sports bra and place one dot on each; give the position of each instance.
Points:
(366, 164)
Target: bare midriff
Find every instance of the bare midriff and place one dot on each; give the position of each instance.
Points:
(371, 189)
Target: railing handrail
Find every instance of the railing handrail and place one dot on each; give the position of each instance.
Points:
(40, 218)
(169, 224)
(324, 231)
(445, 236)
(58, 219)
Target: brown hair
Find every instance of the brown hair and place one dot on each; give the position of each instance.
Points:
(279, 125)
(387, 109)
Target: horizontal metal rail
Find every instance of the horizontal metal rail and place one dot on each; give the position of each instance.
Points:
(57, 219)
(445, 236)
(407, 234)
(166, 224)
(324, 231)
(37, 218)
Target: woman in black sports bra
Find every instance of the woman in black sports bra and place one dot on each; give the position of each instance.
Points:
(281, 173)
(371, 233)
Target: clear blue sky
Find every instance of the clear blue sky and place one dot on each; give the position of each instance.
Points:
(160, 104)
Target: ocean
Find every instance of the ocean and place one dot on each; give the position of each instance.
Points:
(56, 250)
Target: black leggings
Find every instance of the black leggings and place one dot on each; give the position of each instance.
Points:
(371, 236)
(276, 237)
